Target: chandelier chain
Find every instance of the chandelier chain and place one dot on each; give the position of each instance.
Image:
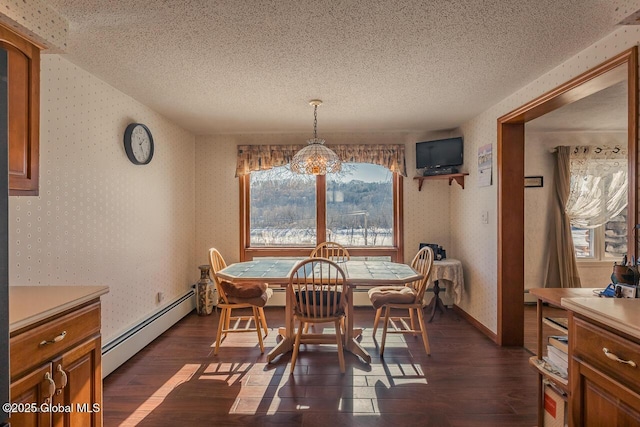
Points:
(315, 121)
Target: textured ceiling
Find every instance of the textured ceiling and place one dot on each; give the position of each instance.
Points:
(391, 65)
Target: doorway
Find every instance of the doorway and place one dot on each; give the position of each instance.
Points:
(510, 165)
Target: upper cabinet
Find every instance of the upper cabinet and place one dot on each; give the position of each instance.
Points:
(20, 110)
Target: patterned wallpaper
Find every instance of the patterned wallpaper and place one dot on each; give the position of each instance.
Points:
(99, 219)
(476, 242)
(38, 21)
(426, 213)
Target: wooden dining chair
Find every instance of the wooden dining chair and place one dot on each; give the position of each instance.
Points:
(232, 297)
(409, 296)
(316, 293)
(331, 250)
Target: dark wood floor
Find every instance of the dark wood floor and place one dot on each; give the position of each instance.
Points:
(467, 381)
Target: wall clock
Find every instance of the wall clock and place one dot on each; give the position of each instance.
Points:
(138, 144)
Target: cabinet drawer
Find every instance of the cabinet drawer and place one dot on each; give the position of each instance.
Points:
(589, 344)
(34, 346)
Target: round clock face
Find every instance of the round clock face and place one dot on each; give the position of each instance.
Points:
(138, 143)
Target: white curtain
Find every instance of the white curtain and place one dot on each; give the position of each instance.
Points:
(598, 188)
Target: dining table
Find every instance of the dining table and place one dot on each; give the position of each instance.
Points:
(358, 273)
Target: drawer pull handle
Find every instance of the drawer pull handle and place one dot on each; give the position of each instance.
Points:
(617, 359)
(63, 379)
(50, 387)
(54, 340)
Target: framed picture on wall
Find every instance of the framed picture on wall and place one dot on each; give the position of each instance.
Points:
(532, 181)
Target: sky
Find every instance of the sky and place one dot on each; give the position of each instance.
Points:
(367, 172)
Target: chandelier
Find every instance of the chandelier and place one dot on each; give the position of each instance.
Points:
(315, 158)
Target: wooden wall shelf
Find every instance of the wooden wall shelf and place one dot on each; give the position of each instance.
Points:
(457, 177)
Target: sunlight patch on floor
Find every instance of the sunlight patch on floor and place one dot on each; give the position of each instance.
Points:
(183, 375)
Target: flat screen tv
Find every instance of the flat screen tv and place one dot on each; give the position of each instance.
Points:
(439, 153)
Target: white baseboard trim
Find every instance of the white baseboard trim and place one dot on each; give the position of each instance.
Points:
(123, 347)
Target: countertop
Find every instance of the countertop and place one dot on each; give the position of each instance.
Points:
(622, 314)
(30, 304)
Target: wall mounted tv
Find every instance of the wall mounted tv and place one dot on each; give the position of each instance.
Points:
(439, 156)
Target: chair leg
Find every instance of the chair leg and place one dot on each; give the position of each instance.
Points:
(223, 316)
(413, 321)
(423, 328)
(227, 321)
(387, 313)
(296, 347)
(339, 342)
(263, 320)
(256, 319)
(376, 320)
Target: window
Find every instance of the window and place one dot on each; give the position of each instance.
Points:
(583, 242)
(283, 209)
(360, 206)
(607, 242)
(597, 203)
(286, 214)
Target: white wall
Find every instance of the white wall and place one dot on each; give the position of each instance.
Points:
(99, 219)
(540, 161)
(426, 213)
(475, 242)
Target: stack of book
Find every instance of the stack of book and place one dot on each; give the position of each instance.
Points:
(557, 353)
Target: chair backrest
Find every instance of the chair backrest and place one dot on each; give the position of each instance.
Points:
(217, 263)
(316, 288)
(422, 263)
(331, 250)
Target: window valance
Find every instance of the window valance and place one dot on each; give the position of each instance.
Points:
(262, 157)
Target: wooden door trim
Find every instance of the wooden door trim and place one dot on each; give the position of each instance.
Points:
(510, 150)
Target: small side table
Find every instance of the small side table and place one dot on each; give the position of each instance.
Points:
(449, 270)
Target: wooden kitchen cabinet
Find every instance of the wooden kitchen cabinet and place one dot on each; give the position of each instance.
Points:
(552, 297)
(77, 374)
(32, 390)
(57, 361)
(604, 374)
(21, 79)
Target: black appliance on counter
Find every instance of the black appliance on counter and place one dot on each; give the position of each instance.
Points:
(438, 252)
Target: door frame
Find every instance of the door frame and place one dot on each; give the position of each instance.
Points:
(510, 165)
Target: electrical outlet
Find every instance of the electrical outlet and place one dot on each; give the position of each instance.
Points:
(160, 297)
(485, 217)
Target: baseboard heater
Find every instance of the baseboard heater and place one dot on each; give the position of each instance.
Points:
(134, 339)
